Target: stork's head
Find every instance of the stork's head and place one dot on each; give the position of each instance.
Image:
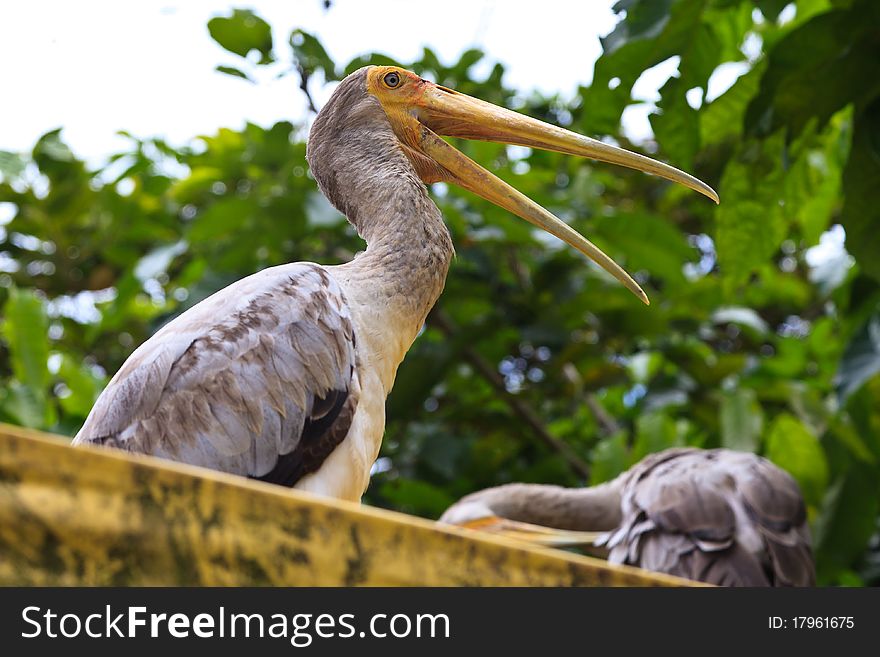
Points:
(418, 112)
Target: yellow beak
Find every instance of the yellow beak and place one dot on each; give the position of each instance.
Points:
(419, 111)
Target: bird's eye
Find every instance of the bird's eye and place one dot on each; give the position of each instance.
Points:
(392, 79)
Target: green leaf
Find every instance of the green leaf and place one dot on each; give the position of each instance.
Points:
(792, 447)
(610, 457)
(722, 119)
(373, 59)
(645, 19)
(231, 70)
(654, 433)
(11, 165)
(242, 32)
(861, 359)
(750, 222)
(847, 519)
(83, 386)
(743, 316)
(647, 242)
(652, 33)
(677, 126)
(644, 365)
(222, 220)
(424, 367)
(861, 180)
(771, 8)
(25, 329)
(24, 406)
(198, 182)
(813, 184)
(158, 260)
(311, 56)
(820, 67)
(741, 421)
(417, 497)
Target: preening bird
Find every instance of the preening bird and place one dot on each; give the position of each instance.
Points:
(283, 375)
(718, 516)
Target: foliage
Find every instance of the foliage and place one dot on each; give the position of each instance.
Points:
(754, 340)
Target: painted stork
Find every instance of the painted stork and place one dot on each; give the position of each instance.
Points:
(283, 375)
(717, 516)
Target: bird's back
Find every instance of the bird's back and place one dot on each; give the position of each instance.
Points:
(718, 516)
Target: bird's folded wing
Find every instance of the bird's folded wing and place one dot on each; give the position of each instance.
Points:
(260, 380)
(720, 516)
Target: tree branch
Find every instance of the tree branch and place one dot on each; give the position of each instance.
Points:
(304, 86)
(522, 410)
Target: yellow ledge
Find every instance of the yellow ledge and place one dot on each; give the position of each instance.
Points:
(92, 516)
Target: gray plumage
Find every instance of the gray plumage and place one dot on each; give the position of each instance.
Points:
(717, 516)
(232, 383)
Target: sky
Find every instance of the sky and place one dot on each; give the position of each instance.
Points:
(147, 67)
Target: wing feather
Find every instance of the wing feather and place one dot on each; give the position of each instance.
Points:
(240, 382)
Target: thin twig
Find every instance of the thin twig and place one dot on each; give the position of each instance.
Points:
(304, 85)
(607, 423)
(522, 410)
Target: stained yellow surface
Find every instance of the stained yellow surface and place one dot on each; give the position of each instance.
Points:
(91, 516)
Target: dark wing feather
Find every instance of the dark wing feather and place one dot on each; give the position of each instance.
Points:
(322, 432)
(259, 380)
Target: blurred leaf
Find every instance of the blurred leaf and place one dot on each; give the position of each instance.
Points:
(645, 20)
(723, 118)
(846, 521)
(241, 32)
(742, 316)
(25, 329)
(199, 181)
(422, 369)
(644, 365)
(656, 32)
(609, 458)
(751, 225)
(231, 70)
(771, 8)
(861, 179)
(792, 447)
(373, 59)
(417, 497)
(861, 360)
(742, 420)
(647, 243)
(83, 387)
(654, 433)
(677, 126)
(817, 69)
(11, 165)
(222, 220)
(311, 56)
(25, 406)
(157, 261)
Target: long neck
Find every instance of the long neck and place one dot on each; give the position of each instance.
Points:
(408, 252)
(582, 509)
(395, 282)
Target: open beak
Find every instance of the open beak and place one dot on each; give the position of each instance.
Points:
(429, 110)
